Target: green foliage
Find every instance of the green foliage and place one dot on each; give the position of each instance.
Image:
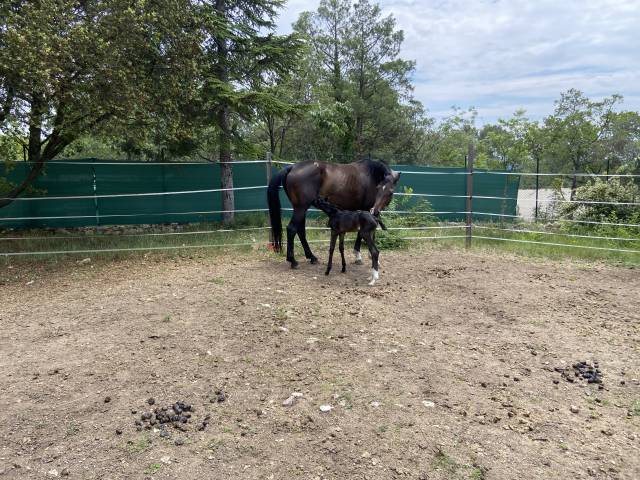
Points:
(614, 191)
(355, 85)
(415, 206)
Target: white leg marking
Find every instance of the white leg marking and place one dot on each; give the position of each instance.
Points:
(358, 256)
(374, 276)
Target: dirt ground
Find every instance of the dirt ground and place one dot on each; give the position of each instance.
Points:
(445, 369)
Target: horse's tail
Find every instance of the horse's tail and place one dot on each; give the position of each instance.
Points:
(275, 215)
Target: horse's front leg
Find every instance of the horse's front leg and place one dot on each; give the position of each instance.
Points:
(332, 247)
(344, 262)
(356, 249)
(375, 253)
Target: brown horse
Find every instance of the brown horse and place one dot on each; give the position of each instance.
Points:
(362, 185)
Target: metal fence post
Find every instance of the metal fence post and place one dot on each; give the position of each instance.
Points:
(470, 157)
(537, 183)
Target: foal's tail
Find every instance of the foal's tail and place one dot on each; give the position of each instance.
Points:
(275, 215)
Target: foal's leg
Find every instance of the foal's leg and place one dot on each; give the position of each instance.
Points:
(332, 247)
(302, 233)
(344, 263)
(374, 252)
(356, 249)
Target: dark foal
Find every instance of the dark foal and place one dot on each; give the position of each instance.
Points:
(343, 221)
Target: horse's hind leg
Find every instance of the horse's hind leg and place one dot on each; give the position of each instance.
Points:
(356, 249)
(344, 263)
(291, 235)
(302, 233)
(295, 226)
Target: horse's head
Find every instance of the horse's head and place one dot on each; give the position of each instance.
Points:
(385, 191)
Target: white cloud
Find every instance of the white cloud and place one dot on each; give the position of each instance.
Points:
(500, 55)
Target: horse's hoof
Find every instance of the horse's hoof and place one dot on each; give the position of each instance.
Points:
(294, 265)
(313, 260)
(327, 272)
(358, 261)
(343, 270)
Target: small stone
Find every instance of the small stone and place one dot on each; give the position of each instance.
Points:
(291, 400)
(64, 472)
(107, 399)
(151, 401)
(164, 434)
(574, 409)
(179, 441)
(556, 381)
(428, 403)
(483, 384)
(53, 473)
(375, 404)
(326, 408)
(118, 431)
(166, 459)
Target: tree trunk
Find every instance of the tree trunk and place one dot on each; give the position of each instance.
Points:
(226, 170)
(272, 134)
(34, 151)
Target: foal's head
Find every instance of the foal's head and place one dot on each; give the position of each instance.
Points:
(385, 191)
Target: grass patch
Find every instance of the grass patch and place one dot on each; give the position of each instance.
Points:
(442, 461)
(216, 280)
(72, 429)
(137, 446)
(635, 408)
(152, 468)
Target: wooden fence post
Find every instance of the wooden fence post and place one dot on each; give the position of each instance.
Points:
(470, 157)
(268, 166)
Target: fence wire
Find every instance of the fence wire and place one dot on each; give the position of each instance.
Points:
(502, 217)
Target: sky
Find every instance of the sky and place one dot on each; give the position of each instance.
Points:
(502, 55)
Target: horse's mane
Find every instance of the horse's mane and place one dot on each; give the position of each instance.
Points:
(377, 169)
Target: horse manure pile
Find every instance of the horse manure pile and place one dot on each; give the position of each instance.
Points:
(179, 416)
(582, 371)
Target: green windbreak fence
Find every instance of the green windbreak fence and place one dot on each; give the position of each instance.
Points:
(91, 178)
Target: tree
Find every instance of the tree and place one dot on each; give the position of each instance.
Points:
(68, 67)
(505, 142)
(241, 53)
(578, 125)
(448, 142)
(377, 75)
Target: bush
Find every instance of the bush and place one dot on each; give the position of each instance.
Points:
(408, 203)
(613, 191)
